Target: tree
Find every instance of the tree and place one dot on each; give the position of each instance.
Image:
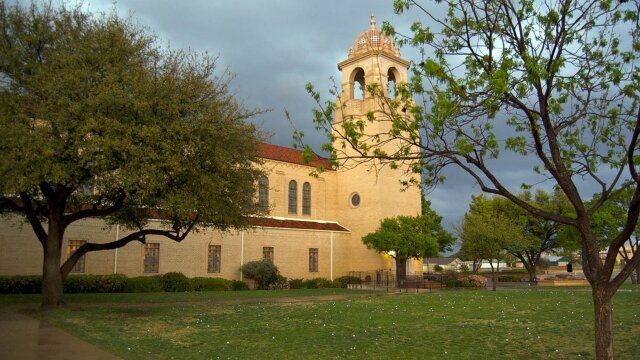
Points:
(100, 122)
(405, 237)
(485, 235)
(609, 219)
(554, 82)
(539, 235)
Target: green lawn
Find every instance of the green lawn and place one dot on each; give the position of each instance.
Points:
(164, 297)
(542, 323)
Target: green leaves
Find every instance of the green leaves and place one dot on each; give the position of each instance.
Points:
(93, 99)
(410, 236)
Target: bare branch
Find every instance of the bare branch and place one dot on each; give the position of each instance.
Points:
(136, 236)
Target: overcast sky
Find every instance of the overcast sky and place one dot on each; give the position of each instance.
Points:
(275, 47)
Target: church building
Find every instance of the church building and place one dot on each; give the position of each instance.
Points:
(315, 224)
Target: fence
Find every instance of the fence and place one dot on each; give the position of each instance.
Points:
(387, 280)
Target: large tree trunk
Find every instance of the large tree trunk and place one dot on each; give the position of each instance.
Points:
(494, 277)
(603, 322)
(533, 277)
(401, 271)
(531, 270)
(52, 279)
(635, 279)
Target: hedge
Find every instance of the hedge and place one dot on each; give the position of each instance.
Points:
(211, 284)
(81, 284)
(343, 281)
(169, 282)
(142, 284)
(175, 282)
(31, 284)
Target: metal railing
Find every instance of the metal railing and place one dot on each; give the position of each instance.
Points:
(387, 280)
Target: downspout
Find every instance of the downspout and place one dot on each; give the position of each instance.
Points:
(115, 257)
(331, 256)
(241, 252)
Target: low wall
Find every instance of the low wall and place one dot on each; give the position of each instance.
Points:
(563, 283)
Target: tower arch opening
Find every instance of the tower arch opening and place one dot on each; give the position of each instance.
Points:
(392, 82)
(357, 84)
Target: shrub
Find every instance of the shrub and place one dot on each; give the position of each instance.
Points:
(175, 282)
(454, 283)
(317, 283)
(543, 264)
(477, 281)
(263, 273)
(296, 284)
(144, 284)
(210, 284)
(237, 285)
(464, 268)
(80, 284)
(510, 278)
(514, 271)
(344, 281)
(437, 268)
(467, 282)
(280, 283)
(31, 284)
(452, 274)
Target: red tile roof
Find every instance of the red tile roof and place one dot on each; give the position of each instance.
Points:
(296, 224)
(292, 156)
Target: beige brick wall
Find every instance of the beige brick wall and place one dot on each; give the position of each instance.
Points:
(322, 190)
(21, 253)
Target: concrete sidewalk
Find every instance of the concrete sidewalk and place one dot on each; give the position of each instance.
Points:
(25, 338)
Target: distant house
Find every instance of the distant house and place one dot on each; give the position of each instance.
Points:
(428, 264)
(497, 265)
(557, 260)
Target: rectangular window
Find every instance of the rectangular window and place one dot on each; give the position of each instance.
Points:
(73, 246)
(267, 254)
(313, 260)
(215, 254)
(151, 257)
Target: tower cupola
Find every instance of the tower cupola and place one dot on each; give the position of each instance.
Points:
(373, 39)
(373, 59)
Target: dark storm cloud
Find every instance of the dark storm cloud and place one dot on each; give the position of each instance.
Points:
(273, 47)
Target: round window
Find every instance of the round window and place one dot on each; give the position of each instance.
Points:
(355, 200)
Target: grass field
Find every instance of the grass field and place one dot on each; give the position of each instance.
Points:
(544, 323)
(179, 297)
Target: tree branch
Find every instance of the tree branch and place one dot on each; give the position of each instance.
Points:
(97, 210)
(136, 236)
(32, 216)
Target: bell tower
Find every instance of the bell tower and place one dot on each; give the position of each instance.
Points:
(369, 191)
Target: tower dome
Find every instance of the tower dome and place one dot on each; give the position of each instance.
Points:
(373, 39)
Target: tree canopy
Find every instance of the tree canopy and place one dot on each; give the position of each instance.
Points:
(519, 233)
(485, 235)
(405, 237)
(98, 121)
(554, 82)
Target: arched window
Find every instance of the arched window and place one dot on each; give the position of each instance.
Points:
(293, 197)
(391, 84)
(263, 193)
(306, 199)
(357, 84)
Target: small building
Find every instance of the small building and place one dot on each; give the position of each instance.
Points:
(429, 264)
(485, 265)
(557, 260)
